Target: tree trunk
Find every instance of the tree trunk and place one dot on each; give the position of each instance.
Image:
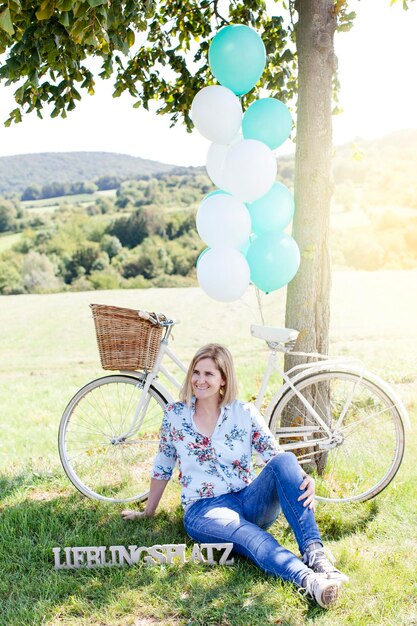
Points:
(308, 294)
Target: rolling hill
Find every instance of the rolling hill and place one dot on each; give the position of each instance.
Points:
(20, 171)
(381, 170)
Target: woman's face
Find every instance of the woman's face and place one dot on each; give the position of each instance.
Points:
(206, 380)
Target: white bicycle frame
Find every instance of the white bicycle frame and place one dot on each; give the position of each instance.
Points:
(291, 377)
(148, 379)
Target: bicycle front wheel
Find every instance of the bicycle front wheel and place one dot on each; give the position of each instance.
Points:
(366, 445)
(102, 455)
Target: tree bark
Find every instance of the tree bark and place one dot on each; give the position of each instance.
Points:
(308, 295)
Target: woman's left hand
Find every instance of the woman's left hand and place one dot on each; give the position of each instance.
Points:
(308, 496)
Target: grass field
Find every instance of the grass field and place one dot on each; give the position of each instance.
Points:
(8, 240)
(48, 205)
(48, 351)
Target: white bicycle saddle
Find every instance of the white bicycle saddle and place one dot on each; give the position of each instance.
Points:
(273, 335)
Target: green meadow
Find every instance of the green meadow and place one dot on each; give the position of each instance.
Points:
(8, 240)
(48, 350)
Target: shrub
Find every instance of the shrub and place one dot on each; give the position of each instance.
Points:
(132, 230)
(83, 262)
(111, 245)
(136, 282)
(81, 284)
(151, 261)
(183, 253)
(11, 273)
(8, 216)
(101, 206)
(173, 281)
(38, 274)
(106, 279)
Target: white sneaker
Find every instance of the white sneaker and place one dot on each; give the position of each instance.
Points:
(321, 561)
(325, 591)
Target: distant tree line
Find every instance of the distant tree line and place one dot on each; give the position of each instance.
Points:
(144, 189)
(144, 235)
(54, 190)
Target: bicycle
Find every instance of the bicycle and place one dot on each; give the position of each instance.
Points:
(345, 424)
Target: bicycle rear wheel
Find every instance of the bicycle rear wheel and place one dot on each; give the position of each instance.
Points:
(365, 450)
(99, 457)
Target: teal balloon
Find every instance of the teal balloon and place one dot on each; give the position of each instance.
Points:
(215, 193)
(237, 58)
(200, 256)
(267, 120)
(273, 260)
(273, 211)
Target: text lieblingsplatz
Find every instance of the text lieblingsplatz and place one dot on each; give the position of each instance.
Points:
(116, 556)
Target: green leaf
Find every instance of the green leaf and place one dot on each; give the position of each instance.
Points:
(79, 29)
(19, 93)
(79, 9)
(46, 10)
(96, 3)
(64, 19)
(64, 5)
(16, 115)
(130, 38)
(33, 78)
(91, 40)
(6, 21)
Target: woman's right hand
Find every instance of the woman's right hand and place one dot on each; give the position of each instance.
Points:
(155, 493)
(129, 515)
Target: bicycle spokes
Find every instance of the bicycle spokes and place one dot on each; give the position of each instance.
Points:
(365, 445)
(106, 452)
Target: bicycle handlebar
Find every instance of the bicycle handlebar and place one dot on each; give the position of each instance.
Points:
(144, 315)
(158, 319)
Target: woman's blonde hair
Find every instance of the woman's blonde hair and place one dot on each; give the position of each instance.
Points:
(224, 363)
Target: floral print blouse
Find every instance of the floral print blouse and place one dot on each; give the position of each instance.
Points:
(212, 466)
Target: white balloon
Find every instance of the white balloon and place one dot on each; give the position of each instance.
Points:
(215, 162)
(224, 274)
(249, 169)
(217, 113)
(216, 156)
(223, 221)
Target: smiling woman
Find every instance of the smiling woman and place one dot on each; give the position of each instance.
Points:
(212, 436)
(207, 382)
(210, 372)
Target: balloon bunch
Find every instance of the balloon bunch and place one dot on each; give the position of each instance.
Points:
(242, 222)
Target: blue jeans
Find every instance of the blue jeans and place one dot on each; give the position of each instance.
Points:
(242, 517)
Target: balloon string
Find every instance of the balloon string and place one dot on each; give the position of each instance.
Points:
(258, 298)
(254, 310)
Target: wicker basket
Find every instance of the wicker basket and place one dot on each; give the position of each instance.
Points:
(125, 340)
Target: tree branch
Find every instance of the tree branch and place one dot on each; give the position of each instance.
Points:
(217, 14)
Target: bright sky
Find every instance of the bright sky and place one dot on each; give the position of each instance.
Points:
(377, 61)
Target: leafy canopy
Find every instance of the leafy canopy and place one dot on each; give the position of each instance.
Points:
(154, 50)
